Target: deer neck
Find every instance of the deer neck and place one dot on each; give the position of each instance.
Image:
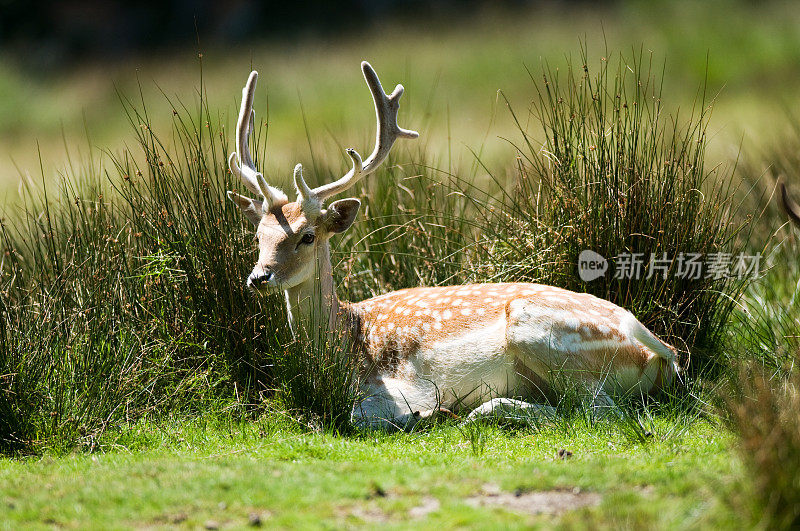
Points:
(314, 302)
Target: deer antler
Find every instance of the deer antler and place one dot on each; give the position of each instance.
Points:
(386, 107)
(789, 206)
(240, 161)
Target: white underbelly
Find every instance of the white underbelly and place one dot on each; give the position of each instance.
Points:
(466, 368)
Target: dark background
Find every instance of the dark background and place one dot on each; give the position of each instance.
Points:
(56, 33)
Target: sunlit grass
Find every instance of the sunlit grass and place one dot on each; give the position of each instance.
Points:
(221, 470)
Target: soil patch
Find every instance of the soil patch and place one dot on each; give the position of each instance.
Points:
(536, 502)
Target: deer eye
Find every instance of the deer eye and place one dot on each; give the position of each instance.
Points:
(307, 238)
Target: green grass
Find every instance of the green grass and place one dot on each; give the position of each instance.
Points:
(212, 470)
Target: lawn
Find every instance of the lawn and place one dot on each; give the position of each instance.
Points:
(228, 474)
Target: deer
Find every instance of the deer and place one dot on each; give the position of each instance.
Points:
(789, 206)
(494, 349)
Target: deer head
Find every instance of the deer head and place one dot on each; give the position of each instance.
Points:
(291, 234)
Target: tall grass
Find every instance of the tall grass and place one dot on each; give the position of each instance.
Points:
(763, 395)
(123, 294)
(617, 175)
(768, 328)
(417, 229)
(317, 378)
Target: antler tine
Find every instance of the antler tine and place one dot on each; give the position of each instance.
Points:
(304, 193)
(310, 201)
(240, 161)
(789, 205)
(386, 107)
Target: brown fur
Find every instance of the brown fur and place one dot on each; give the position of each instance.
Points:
(395, 325)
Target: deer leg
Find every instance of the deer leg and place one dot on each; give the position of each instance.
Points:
(431, 415)
(516, 411)
(603, 405)
(381, 413)
(394, 404)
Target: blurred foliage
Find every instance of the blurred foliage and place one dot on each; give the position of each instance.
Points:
(762, 410)
(452, 63)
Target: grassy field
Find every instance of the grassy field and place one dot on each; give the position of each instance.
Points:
(141, 385)
(209, 473)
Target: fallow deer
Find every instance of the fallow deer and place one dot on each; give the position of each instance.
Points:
(429, 348)
(791, 208)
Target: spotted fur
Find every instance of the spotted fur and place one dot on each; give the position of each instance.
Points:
(462, 345)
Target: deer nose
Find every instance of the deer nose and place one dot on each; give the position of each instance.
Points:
(257, 279)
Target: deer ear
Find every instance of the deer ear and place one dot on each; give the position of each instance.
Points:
(340, 215)
(251, 208)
